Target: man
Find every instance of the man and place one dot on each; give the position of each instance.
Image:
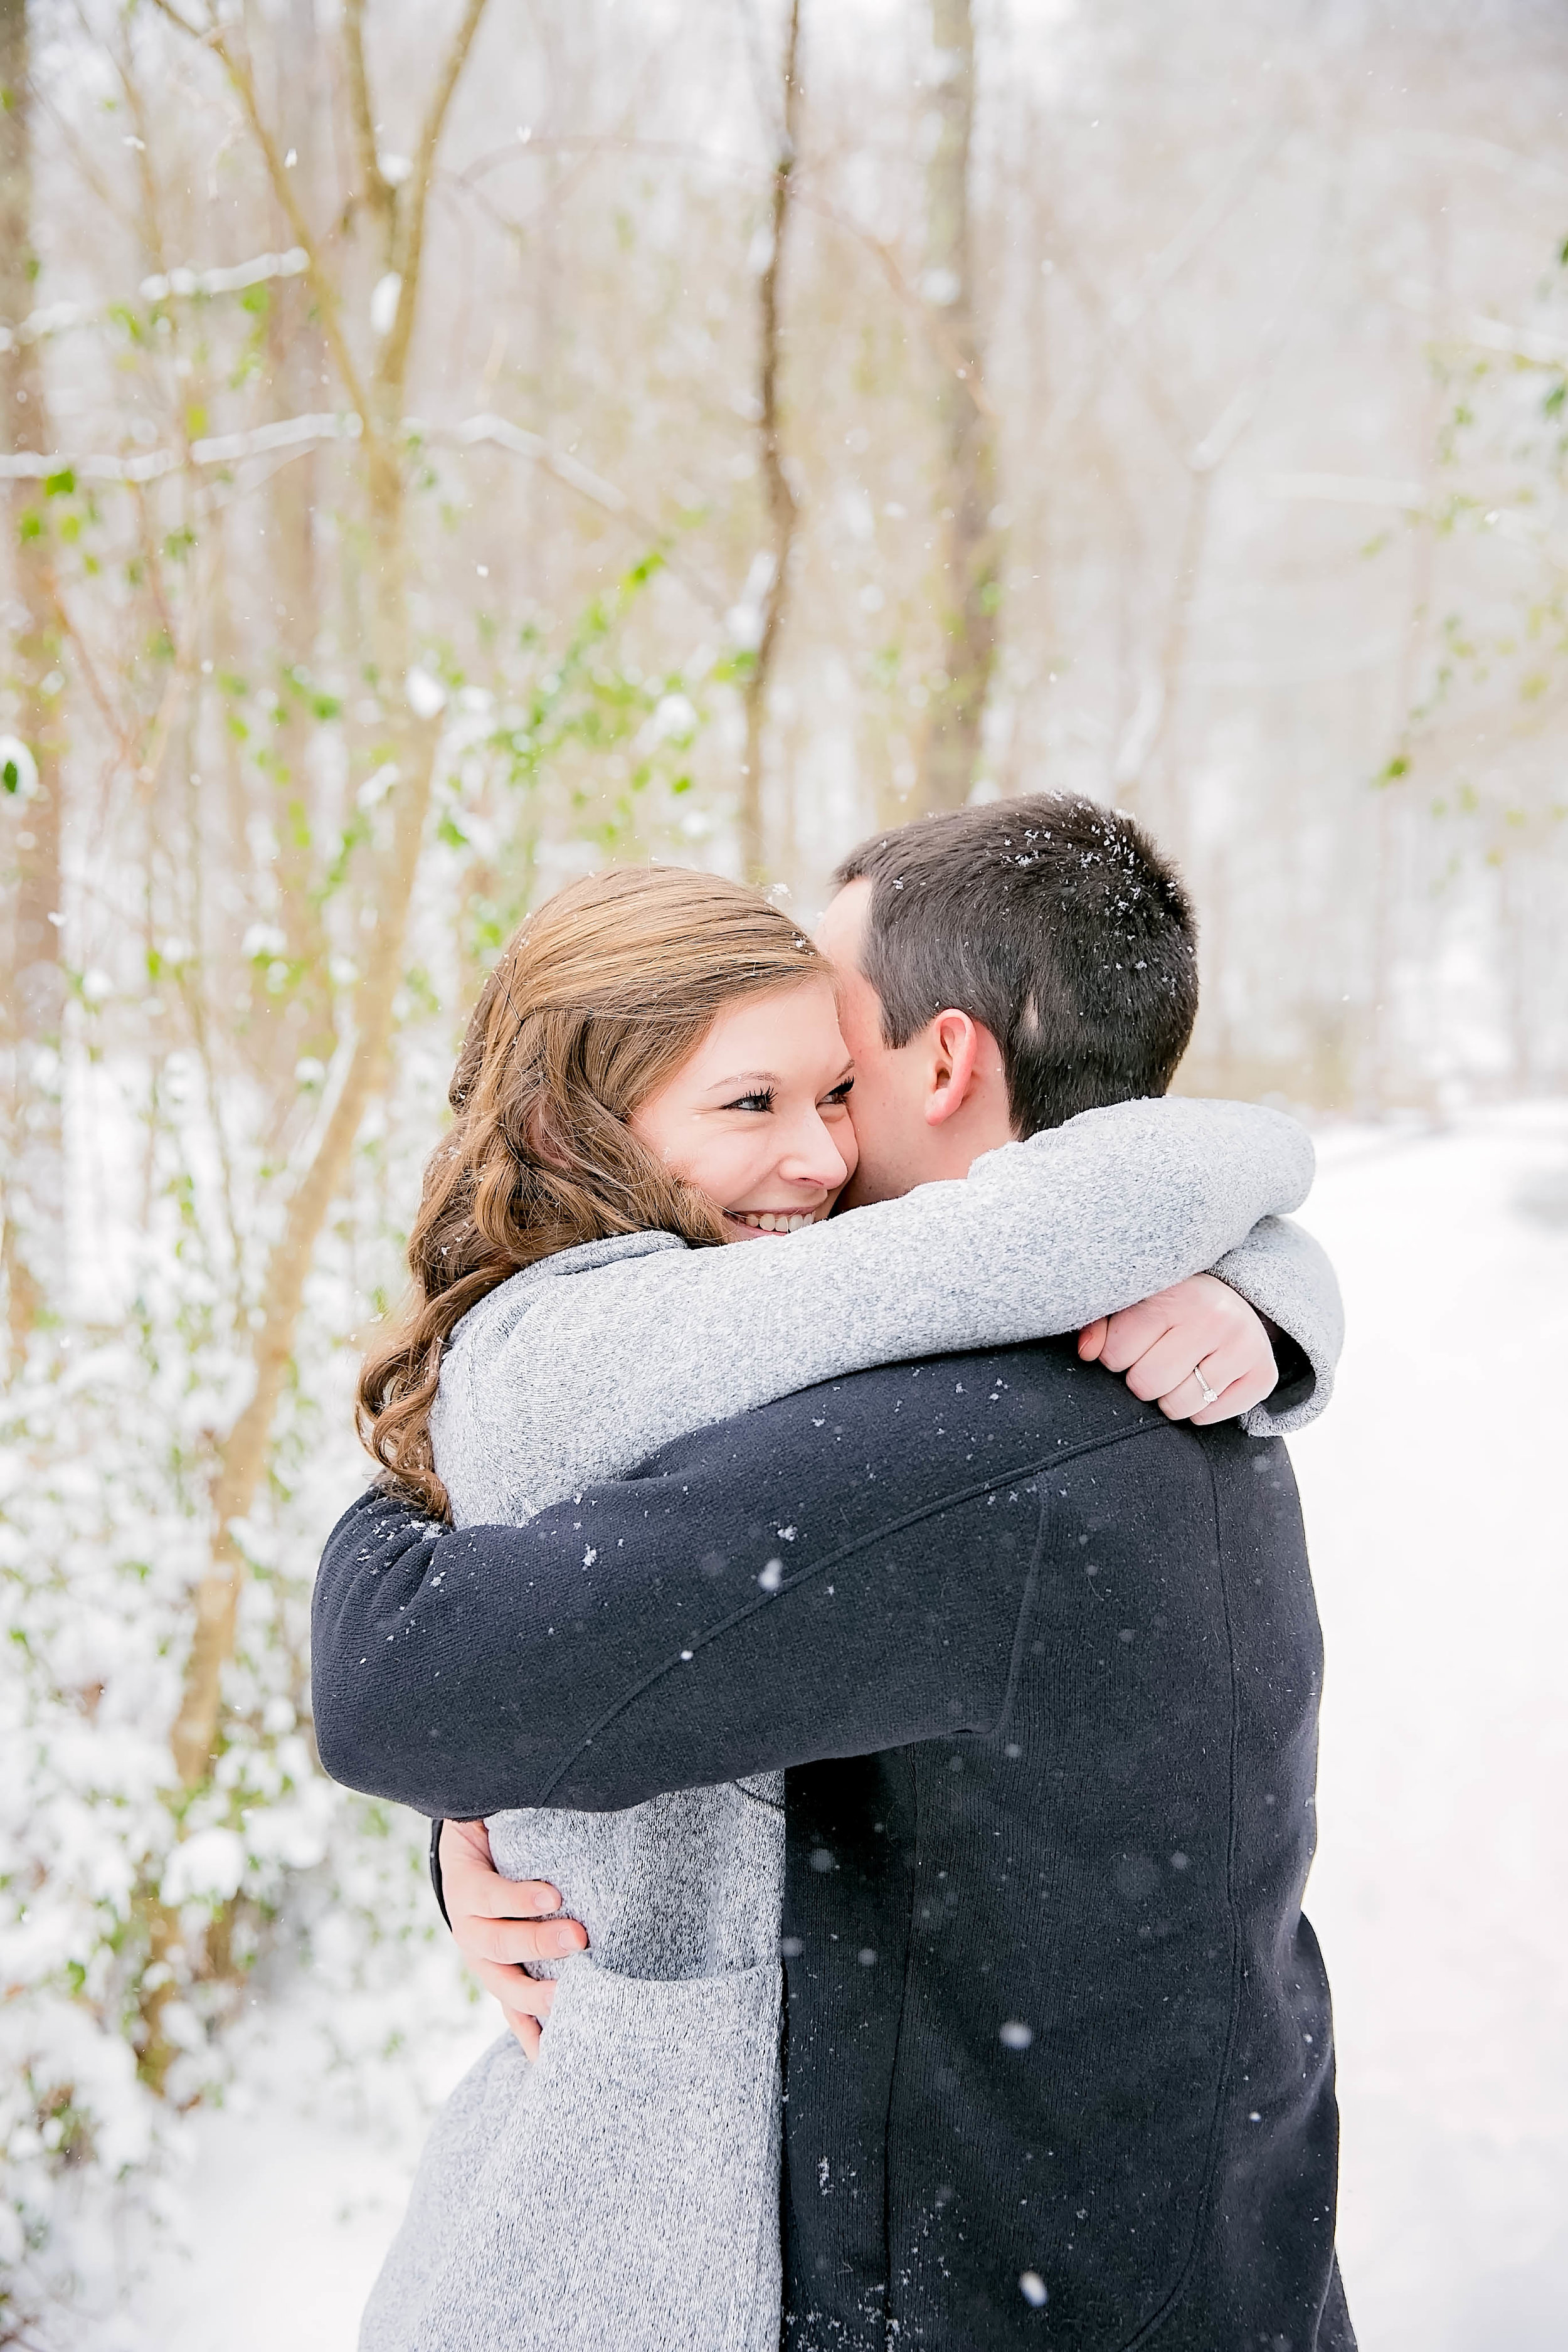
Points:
(1041, 1664)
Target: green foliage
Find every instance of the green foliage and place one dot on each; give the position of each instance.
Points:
(1494, 652)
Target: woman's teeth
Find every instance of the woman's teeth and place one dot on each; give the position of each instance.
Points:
(768, 1220)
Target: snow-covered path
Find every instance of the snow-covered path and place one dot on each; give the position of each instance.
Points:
(1441, 1894)
(1434, 1508)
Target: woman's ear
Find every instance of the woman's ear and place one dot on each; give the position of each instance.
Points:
(956, 1042)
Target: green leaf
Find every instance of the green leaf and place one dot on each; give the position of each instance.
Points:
(61, 484)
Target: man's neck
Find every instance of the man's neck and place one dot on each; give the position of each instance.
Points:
(980, 1127)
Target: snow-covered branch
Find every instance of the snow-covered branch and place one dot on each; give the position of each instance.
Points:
(63, 318)
(212, 449)
(233, 281)
(297, 434)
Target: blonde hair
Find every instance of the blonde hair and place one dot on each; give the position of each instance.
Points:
(596, 1000)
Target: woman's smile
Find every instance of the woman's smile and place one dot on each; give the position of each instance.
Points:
(776, 1221)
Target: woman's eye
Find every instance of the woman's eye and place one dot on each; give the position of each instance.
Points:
(840, 1093)
(763, 1100)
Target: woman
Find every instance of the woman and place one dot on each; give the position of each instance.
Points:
(655, 1066)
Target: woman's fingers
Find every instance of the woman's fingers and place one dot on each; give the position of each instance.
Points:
(470, 1879)
(1196, 1323)
(517, 1943)
(518, 1995)
(1128, 1336)
(1161, 1369)
(502, 1926)
(469, 1874)
(1248, 1388)
(527, 2032)
(516, 1899)
(1091, 1340)
(1239, 1374)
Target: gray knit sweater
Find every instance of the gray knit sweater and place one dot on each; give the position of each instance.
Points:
(623, 2190)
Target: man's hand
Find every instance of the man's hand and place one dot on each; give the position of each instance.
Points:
(1197, 1335)
(498, 1923)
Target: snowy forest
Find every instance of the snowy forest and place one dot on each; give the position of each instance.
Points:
(444, 448)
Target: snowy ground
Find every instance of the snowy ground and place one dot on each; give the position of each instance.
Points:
(1441, 1894)
(1434, 1505)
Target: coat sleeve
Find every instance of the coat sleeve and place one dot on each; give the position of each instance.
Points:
(641, 1639)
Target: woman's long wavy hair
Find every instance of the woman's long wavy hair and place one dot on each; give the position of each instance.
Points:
(597, 1000)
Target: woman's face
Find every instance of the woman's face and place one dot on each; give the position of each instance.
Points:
(758, 1119)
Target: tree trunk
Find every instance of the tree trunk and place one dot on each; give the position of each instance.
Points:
(297, 354)
(34, 1228)
(411, 740)
(781, 501)
(966, 497)
(243, 1461)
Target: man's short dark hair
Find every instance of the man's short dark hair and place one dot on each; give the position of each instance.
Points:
(1054, 921)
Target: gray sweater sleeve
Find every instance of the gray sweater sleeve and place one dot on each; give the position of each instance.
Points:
(1287, 1275)
(578, 1378)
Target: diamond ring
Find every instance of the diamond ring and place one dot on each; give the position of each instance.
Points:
(1210, 1396)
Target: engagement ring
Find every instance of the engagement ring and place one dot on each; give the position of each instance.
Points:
(1211, 1396)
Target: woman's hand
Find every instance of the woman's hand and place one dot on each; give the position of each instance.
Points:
(1197, 1336)
(498, 1922)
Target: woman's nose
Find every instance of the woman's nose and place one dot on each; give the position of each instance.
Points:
(813, 1156)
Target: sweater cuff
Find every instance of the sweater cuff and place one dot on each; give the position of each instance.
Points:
(1286, 1276)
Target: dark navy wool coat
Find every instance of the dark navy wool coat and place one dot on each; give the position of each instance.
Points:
(1043, 1671)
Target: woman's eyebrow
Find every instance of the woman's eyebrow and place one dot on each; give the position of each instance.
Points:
(766, 1078)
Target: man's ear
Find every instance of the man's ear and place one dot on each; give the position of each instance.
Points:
(956, 1042)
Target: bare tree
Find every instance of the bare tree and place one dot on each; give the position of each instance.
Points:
(394, 203)
(970, 579)
(296, 356)
(32, 1233)
(770, 571)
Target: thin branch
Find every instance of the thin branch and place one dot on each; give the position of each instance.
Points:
(199, 33)
(80, 155)
(1125, 314)
(1531, 343)
(414, 202)
(741, 167)
(122, 754)
(214, 35)
(152, 561)
(379, 191)
(500, 434)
